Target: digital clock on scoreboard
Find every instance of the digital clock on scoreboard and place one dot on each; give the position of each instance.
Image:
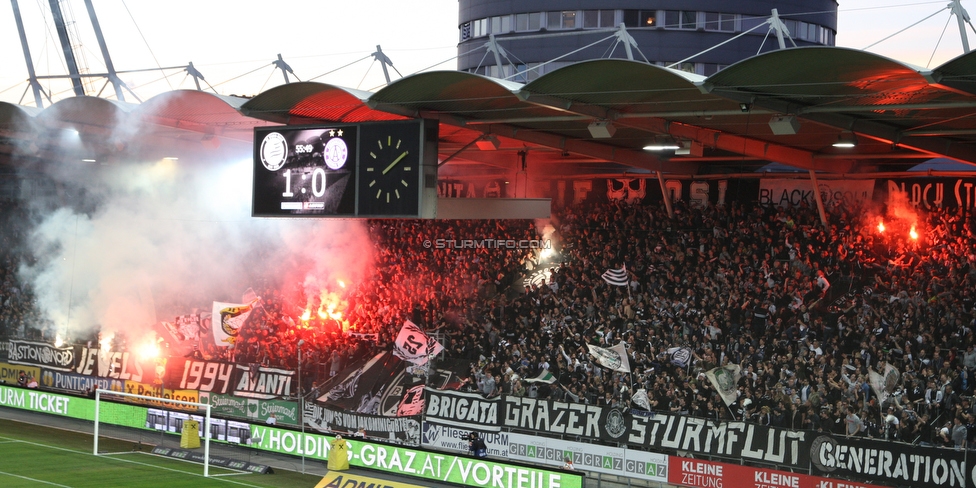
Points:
(378, 169)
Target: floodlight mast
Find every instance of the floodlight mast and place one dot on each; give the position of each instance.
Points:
(962, 18)
(69, 54)
(35, 85)
(112, 75)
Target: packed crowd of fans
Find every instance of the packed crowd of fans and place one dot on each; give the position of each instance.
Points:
(807, 312)
(419, 275)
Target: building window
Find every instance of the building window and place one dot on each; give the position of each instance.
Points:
(563, 20)
(465, 31)
(594, 19)
(479, 28)
(531, 21)
(680, 19)
(826, 36)
(719, 22)
(640, 18)
(648, 18)
(501, 25)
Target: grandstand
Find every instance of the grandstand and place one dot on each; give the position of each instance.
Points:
(717, 291)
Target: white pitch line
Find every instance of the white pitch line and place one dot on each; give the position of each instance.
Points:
(33, 479)
(224, 480)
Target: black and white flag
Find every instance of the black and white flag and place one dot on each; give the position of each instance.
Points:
(616, 277)
(680, 356)
(414, 345)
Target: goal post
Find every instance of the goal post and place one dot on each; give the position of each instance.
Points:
(113, 413)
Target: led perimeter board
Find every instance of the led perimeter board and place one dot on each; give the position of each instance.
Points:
(376, 169)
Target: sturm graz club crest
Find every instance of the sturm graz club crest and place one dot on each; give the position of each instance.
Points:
(616, 424)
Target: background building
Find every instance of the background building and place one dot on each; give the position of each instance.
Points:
(539, 39)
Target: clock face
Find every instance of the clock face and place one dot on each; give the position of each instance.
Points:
(389, 169)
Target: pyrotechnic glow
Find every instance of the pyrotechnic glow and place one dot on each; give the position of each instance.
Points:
(330, 302)
(58, 340)
(325, 306)
(881, 227)
(912, 233)
(546, 253)
(105, 341)
(148, 350)
(328, 305)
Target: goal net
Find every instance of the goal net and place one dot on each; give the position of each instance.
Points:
(116, 412)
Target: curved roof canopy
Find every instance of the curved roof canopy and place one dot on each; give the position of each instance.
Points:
(596, 117)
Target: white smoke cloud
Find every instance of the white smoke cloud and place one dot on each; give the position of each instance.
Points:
(153, 240)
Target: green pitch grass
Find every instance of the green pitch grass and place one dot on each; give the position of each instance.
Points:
(34, 456)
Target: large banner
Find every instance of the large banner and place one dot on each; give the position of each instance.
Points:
(231, 379)
(126, 366)
(206, 376)
(465, 410)
(375, 386)
(782, 192)
(891, 463)
(78, 383)
(264, 383)
(285, 412)
(397, 430)
(438, 467)
(697, 193)
(40, 354)
(930, 193)
(661, 431)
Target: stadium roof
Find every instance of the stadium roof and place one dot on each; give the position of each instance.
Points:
(785, 107)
